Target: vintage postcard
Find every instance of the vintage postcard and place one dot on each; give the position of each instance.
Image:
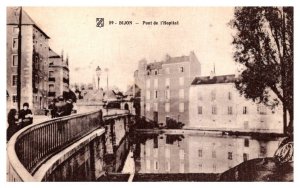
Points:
(150, 94)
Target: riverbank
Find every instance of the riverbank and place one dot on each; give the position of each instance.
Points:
(264, 169)
(211, 132)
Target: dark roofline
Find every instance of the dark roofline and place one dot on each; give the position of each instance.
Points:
(33, 23)
(230, 78)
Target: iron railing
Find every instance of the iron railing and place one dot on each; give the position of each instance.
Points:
(36, 144)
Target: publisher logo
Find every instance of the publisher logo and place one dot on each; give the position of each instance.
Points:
(100, 22)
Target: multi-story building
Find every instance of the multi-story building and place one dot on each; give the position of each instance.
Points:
(198, 153)
(165, 87)
(215, 104)
(216, 154)
(168, 153)
(34, 61)
(58, 75)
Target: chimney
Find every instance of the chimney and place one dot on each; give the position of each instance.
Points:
(212, 73)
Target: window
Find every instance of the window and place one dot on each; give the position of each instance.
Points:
(155, 83)
(155, 72)
(155, 94)
(16, 30)
(167, 94)
(14, 80)
(15, 43)
(214, 110)
(148, 107)
(155, 107)
(15, 60)
(200, 153)
(14, 99)
(245, 110)
(148, 95)
(181, 69)
(213, 154)
(167, 82)
(199, 96)
(181, 93)
(148, 83)
(229, 155)
(213, 95)
(229, 110)
(199, 109)
(167, 70)
(167, 107)
(229, 96)
(246, 142)
(156, 165)
(245, 157)
(181, 81)
(181, 107)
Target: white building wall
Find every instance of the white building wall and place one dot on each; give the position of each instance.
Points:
(237, 121)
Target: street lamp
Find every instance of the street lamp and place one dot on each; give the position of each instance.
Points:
(106, 70)
(98, 73)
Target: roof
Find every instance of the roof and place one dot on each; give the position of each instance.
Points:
(53, 54)
(215, 80)
(12, 18)
(131, 89)
(177, 59)
(154, 65)
(168, 60)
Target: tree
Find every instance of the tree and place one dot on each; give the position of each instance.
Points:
(264, 46)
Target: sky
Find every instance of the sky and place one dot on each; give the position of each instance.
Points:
(119, 47)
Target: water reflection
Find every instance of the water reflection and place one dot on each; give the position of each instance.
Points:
(197, 153)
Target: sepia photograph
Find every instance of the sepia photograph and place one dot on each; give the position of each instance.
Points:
(149, 94)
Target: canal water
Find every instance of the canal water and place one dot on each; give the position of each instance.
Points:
(122, 154)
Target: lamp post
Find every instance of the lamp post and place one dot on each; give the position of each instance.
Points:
(98, 73)
(106, 70)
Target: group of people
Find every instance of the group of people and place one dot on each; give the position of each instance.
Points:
(17, 120)
(61, 107)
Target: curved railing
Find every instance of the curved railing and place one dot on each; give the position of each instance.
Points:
(34, 144)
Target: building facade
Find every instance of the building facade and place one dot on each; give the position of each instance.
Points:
(217, 105)
(58, 75)
(34, 62)
(164, 154)
(165, 87)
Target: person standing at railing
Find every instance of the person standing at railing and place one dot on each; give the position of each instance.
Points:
(12, 120)
(60, 107)
(52, 109)
(68, 107)
(25, 116)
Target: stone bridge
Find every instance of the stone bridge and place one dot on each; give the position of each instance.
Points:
(58, 149)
